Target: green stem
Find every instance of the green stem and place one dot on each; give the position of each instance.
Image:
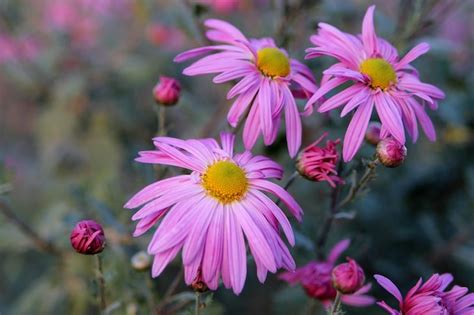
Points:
(101, 283)
(337, 303)
(197, 304)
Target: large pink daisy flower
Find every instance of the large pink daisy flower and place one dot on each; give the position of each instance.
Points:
(380, 78)
(264, 91)
(429, 298)
(208, 213)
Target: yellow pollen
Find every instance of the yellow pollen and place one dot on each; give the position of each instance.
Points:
(380, 72)
(272, 62)
(225, 181)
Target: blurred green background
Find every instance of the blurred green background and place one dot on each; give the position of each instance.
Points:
(76, 106)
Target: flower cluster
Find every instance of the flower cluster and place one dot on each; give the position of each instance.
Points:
(429, 297)
(222, 204)
(322, 279)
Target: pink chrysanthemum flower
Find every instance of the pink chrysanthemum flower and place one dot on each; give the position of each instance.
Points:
(315, 278)
(319, 163)
(265, 90)
(380, 78)
(207, 213)
(429, 298)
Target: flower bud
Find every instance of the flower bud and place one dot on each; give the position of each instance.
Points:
(166, 92)
(141, 261)
(198, 284)
(348, 277)
(88, 237)
(318, 163)
(372, 135)
(390, 152)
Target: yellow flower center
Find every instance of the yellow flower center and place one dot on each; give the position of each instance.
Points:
(272, 62)
(225, 181)
(380, 72)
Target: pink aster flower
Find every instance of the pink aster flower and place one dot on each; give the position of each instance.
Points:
(319, 163)
(315, 277)
(207, 213)
(429, 298)
(380, 78)
(267, 76)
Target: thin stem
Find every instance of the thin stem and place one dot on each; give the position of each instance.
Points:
(197, 304)
(162, 121)
(335, 207)
(336, 304)
(171, 289)
(289, 182)
(101, 283)
(37, 240)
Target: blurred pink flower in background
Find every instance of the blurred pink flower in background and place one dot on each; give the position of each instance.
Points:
(315, 277)
(320, 163)
(380, 78)
(264, 90)
(207, 213)
(429, 298)
(221, 6)
(167, 37)
(24, 48)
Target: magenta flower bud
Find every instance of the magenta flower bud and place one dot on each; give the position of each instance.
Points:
(88, 237)
(390, 152)
(372, 135)
(318, 163)
(348, 278)
(166, 91)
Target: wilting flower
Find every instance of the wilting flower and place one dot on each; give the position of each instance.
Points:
(207, 213)
(315, 278)
(166, 91)
(88, 237)
(390, 152)
(429, 298)
(372, 135)
(319, 163)
(268, 75)
(348, 277)
(380, 78)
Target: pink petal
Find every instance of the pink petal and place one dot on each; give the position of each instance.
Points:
(369, 38)
(337, 250)
(356, 130)
(414, 53)
(235, 251)
(388, 285)
(293, 123)
(252, 127)
(323, 89)
(265, 110)
(390, 116)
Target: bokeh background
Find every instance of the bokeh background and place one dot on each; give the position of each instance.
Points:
(76, 105)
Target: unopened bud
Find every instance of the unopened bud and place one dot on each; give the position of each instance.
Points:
(390, 152)
(372, 135)
(88, 237)
(141, 261)
(348, 277)
(166, 92)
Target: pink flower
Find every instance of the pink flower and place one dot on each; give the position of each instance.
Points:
(315, 277)
(222, 6)
(88, 237)
(166, 37)
(167, 91)
(207, 213)
(319, 163)
(380, 78)
(348, 277)
(268, 75)
(390, 152)
(429, 298)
